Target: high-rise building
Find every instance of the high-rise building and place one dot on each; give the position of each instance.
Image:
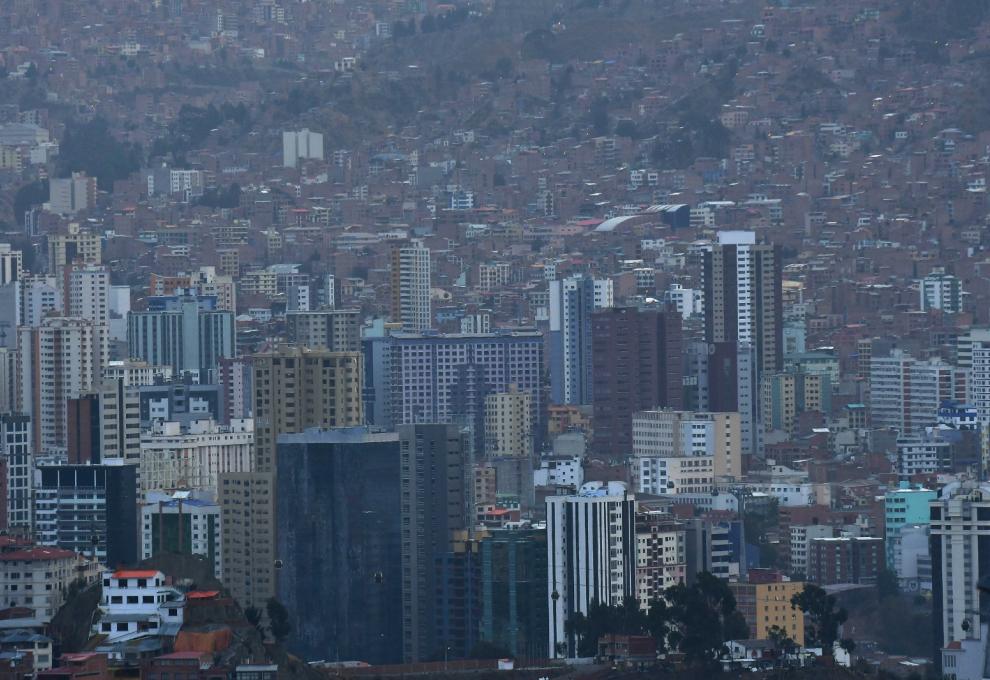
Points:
(640, 367)
(509, 424)
(298, 388)
(742, 283)
(59, 360)
(300, 145)
(684, 451)
(205, 282)
(186, 333)
(247, 553)
(193, 457)
(768, 605)
(87, 293)
(11, 264)
(338, 330)
(411, 287)
(339, 543)
(236, 380)
(845, 559)
(434, 505)
(591, 553)
(432, 378)
(787, 395)
(960, 546)
(941, 291)
(88, 509)
(73, 194)
(73, 246)
(136, 373)
(294, 389)
(17, 455)
(903, 507)
(40, 296)
(905, 393)
(661, 555)
(572, 303)
(10, 312)
(182, 522)
(514, 590)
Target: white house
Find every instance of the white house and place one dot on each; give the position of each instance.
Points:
(137, 602)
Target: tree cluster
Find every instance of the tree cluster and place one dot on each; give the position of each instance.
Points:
(90, 147)
(695, 620)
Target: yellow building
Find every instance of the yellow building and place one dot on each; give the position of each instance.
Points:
(766, 605)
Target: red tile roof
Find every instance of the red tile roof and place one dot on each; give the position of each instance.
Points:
(202, 594)
(135, 573)
(39, 553)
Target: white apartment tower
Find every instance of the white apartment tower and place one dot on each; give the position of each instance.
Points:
(591, 555)
(411, 287)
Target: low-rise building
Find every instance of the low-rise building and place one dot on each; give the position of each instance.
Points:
(137, 603)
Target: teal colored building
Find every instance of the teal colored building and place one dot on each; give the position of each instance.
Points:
(903, 506)
(514, 614)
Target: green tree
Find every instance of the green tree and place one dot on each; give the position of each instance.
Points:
(825, 617)
(253, 616)
(29, 195)
(887, 585)
(599, 116)
(704, 617)
(91, 148)
(278, 620)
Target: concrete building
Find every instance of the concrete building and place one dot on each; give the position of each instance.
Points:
(339, 543)
(136, 373)
(182, 522)
(743, 303)
(40, 296)
(247, 504)
(186, 333)
(434, 505)
(87, 293)
(768, 605)
(193, 457)
(300, 145)
(960, 541)
(299, 388)
(941, 291)
(58, 360)
(17, 455)
(661, 555)
(845, 559)
(509, 424)
(338, 330)
(902, 507)
(787, 395)
(640, 367)
(37, 578)
(89, 509)
(73, 246)
(572, 303)
(905, 393)
(236, 379)
(11, 264)
(434, 378)
(411, 305)
(137, 602)
(591, 550)
(70, 195)
(801, 536)
(677, 452)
